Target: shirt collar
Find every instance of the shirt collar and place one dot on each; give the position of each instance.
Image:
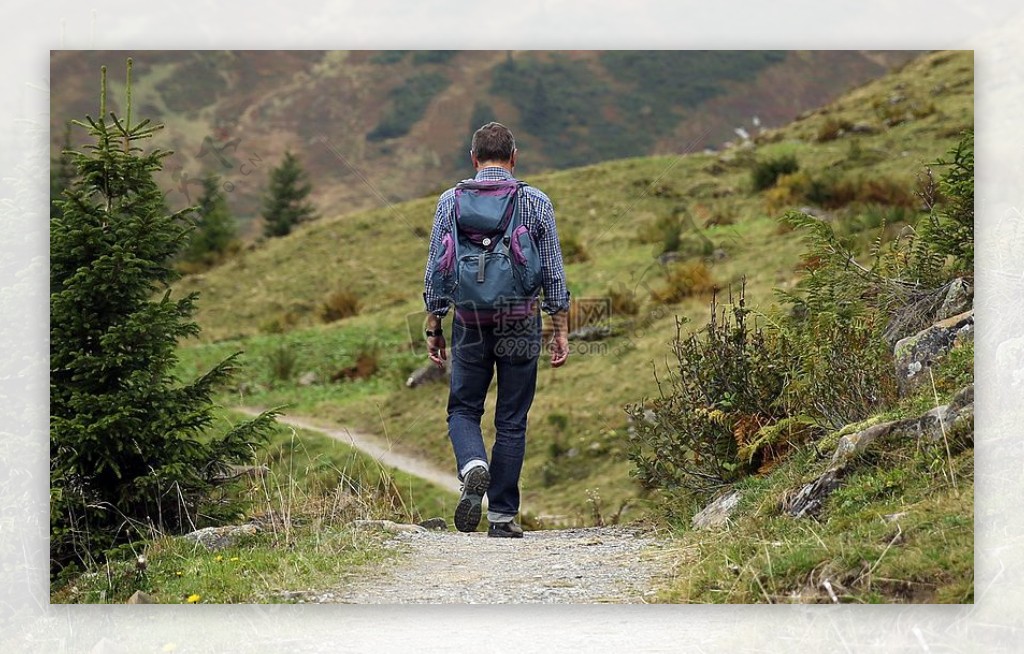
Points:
(492, 173)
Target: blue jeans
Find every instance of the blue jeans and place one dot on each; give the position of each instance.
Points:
(513, 349)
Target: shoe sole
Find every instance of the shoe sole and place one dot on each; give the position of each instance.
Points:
(504, 534)
(468, 511)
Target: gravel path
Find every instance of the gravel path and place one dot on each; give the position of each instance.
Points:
(590, 565)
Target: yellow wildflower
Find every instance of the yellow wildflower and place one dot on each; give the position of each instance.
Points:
(194, 599)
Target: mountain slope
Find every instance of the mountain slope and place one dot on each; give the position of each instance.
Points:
(379, 127)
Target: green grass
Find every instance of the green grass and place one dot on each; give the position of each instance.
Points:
(925, 555)
(258, 569)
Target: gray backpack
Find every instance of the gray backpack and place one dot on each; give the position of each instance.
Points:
(488, 265)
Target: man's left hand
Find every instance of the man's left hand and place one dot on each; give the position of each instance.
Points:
(436, 350)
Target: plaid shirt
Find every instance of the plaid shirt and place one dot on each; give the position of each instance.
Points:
(539, 218)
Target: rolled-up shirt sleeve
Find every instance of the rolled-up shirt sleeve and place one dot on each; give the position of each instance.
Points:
(556, 292)
(442, 225)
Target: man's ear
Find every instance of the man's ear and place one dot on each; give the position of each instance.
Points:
(473, 159)
(512, 160)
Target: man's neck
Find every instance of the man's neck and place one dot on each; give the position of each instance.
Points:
(507, 166)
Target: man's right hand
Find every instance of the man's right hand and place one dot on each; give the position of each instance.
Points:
(559, 349)
(436, 350)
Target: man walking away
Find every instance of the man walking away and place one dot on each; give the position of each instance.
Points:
(493, 248)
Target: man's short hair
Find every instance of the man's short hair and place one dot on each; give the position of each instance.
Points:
(493, 142)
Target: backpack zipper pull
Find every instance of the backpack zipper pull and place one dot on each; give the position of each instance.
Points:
(480, 269)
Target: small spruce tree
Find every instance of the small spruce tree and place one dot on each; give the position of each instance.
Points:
(129, 443)
(216, 232)
(286, 203)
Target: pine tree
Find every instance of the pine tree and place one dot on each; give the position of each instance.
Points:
(128, 442)
(286, 204)
(216, 232)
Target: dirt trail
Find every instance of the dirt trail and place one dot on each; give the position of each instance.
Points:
(377, 447)
(580, 566)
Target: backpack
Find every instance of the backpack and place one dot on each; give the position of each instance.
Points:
(488, 264)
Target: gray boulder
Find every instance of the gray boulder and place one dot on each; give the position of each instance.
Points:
(387, 526)
(958, 299)
(428, 373)
(914, 354)
(218, 538)
(716, 514)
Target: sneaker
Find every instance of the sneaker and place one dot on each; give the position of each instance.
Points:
(474, 486)
(509, 529)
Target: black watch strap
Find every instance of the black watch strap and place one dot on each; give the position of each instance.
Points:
(435, 332)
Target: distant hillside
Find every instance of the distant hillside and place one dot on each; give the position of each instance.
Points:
(380, 127)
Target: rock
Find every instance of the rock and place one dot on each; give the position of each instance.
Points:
(809, 499)
(138, 597)
(427, 374)
(218, 538)
(591, 333)
(719, 254)
(915, 353)
(959, 298)
(307, 378)
(862, 128)
(851, 445)
(435, 524)
(386, 525)
(716, 514)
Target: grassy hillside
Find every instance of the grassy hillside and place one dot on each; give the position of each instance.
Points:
(398, 122)
(859, 156)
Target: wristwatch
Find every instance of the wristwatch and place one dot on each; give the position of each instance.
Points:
(436, 332)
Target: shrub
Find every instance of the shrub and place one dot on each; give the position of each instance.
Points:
(832, 128)
(683, 281)
(282, 362)
(842, 370)
(588, 311)
(789, 189)
(670, 230)
(339, 305)
(623, 301)
(367, 364)
(948, 230)
(280, 323)
(573, 250)
(727, 384)
(765, 173)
